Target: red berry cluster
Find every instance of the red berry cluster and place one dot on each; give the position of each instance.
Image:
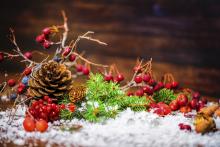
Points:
(184, 127)
(21, 88)
(44, 38)
(71, 107)
(183, 104)
(44, 109)
(83, 69)
(160, 108)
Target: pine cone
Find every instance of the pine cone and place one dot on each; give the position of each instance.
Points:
(77, 94)
(52, 79)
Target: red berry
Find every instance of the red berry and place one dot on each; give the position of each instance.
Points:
(175, 85)
(204, 100)
(108, 77)
(139, 92)
(46, 97)
(85, 71)
(148, 90)
(41, 125)
(21, 85)
(11, 82)
(28, 55)
(27, 71)
(174, 105)
(40, 101)
(153, 105)
(66, 51)
(138, 79)
(62, 106)
(130, 94)
(1, 57)
(29, 124)
(196, 95)
(194, 103)
(181, 126)
(49, 109)
(79, 68)
(49, 101)
(158, 86)
(152, 82)
(119, 78)
(47, 44)
(159, 112)
(168, 85)
(46, 31)
(44, 116)
(71, 107)
(40, 38)
(20, 90)
(72, 57)
(137, 69)
(200, 106)
(167, 111)
(146, 77)
(187, 127)
(182, 100)
(185, 109)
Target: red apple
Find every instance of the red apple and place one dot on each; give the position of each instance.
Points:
(182, 100)
(174, 105)
(194, 103)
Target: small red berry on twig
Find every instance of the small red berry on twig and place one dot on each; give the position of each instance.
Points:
(46, 31)
(72, 57)
(11, 82)
(28, 55)
(40, 38)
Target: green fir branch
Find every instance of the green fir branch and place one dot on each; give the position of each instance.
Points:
(164, 95)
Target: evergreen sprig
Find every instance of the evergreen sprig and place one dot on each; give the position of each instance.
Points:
(164, 95)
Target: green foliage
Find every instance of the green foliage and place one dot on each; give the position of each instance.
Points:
(164, 95)
(103, 100)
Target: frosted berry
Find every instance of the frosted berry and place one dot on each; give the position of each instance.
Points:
(46, 31)
(29, 124)
(138, 79)
(28, 55)
(11, 82)
(40, 38)
(1, 57)
(72, 57)
(41, 125)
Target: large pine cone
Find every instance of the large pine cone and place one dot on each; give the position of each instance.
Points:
(52, 79)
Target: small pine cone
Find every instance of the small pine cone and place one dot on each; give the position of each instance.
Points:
(77, 94)
(52, 79)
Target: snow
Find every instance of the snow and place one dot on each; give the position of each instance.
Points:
(127, 129)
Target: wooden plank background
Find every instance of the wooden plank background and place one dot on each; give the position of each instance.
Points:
(182, 37)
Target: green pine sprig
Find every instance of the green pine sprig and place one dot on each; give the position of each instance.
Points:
(164, 95)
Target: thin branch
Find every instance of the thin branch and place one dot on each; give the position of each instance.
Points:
(66, 29)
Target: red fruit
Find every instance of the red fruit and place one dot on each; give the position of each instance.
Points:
(21, 85)
(28, 55)
(47, 44)
(79, 68)
(40, 38)
(185, 109)
(168, 85)
(41, 125)
(194, 103)
(139, 92)
(29, 124)
(119, 78)
(71, 107)
(158, 86)
(187, 127)
(62, 106)
(138, 79)
(108, 77)
(130, 94)
(182, 100)
(46, 97)
(49, 101)
(148, 90)
(20, 90)
(175, 85)
(146, 77)
(159, 112)
(46, 31)
(137, 69)
(72, 57)
(167, 111)
(174, 105)
(181, 126)
(204, 100)
(27, 71)
(44, 116)
(1, 57)
(162, 105)
(152, 82)
(11, 82)
(153, 105)
(66, 51)
(85, 71)
(200, 106)
(196, 95)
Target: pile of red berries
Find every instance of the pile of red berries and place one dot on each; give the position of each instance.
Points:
(183, 104)
(184, 127)
(44, 109)
(82, 69)
(43, 38)
(109, 77)
(160, 108)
